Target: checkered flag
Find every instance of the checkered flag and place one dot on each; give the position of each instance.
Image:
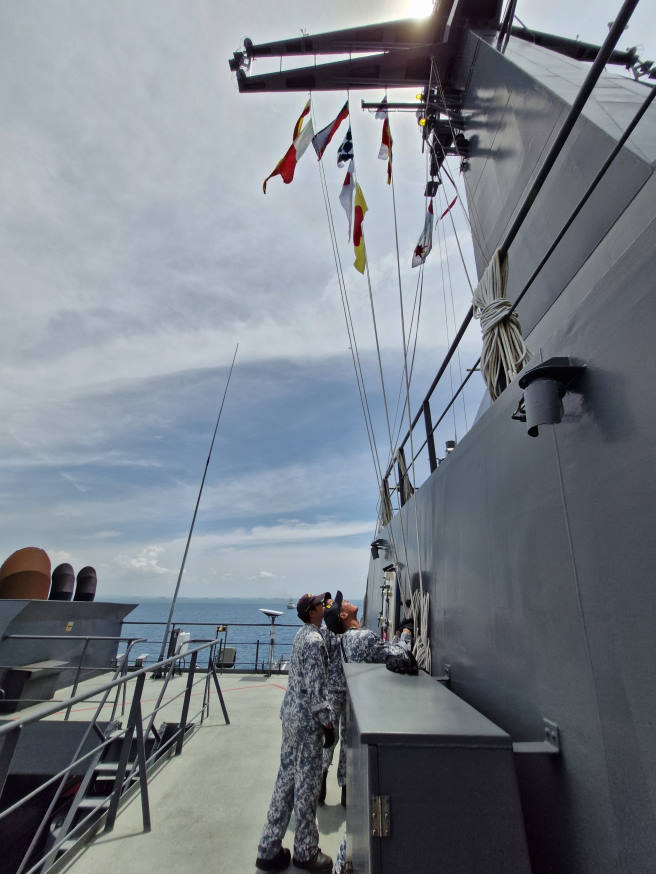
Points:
(345, 153)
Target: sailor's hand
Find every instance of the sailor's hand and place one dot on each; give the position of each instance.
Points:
(328, 736)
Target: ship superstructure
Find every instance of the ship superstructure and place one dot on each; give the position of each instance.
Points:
(534, 536)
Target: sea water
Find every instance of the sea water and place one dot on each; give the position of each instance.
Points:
(246, 628)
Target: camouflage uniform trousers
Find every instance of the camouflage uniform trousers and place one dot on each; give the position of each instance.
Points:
(338, 705)
(296, 788)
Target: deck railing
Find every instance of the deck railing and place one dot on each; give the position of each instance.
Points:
(110, 761)
(254, 650)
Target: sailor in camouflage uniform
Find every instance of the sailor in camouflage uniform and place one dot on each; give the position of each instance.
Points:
(337, 700)
(306, 720)
(358, 644)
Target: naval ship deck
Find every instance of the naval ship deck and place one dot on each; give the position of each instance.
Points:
(208, 805)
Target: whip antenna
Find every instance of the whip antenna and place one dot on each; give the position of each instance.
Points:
(191, 529)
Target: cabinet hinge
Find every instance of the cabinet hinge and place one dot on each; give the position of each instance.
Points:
(380, 817)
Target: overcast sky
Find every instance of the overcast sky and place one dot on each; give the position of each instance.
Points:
(136, 251)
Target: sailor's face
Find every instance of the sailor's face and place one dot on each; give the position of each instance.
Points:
(316, 613)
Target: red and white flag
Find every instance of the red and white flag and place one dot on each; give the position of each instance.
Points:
(325, 135)
(301, 139)
(385, 151)
(425, 243)
(346, 195)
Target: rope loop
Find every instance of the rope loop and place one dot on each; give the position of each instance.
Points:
(490, 314)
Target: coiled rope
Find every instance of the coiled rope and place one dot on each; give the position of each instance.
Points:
(420, 610)
(504, 352)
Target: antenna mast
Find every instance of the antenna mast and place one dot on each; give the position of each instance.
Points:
(191, 529)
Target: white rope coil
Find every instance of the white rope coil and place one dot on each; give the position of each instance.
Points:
(420, 609)
(504, 352)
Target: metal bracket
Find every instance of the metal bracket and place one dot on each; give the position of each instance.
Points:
(380, 818)
(550, 745)
(445, 676)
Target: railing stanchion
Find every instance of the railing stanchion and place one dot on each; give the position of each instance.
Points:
(185, 706)
(205, 709)
(7, 754)
(77, 675)
(135, 710)
(218, 692)
(430, 441)
(143, 776)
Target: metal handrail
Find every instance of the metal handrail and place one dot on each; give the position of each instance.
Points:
(10, 733)
(48, 710)
(242, 664)
(87, 638)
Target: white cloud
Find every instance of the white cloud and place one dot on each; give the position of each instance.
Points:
(137, 249)
(146, 561)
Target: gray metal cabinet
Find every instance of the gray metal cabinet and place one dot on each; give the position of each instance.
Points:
(431, 783)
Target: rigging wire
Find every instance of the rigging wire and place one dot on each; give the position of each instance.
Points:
(351, 333)
(453, 314)
(193, 520)
(350, 328)
(387, 419)
(453, 225)
(425, 659)
(416, 308)
(443, 256)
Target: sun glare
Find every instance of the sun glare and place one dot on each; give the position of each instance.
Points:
(419, 8)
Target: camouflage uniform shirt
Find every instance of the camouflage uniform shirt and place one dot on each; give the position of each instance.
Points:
(363, 645)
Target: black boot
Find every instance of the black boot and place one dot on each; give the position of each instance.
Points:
(343, 796)
(322, 791)
(279, 862)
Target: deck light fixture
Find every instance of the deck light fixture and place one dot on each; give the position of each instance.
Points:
(544, 388)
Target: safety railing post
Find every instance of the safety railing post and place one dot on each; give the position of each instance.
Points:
(7, 754)
(135, 710)
(185, 705)
(143, 776)
(205, 709)
(430, 441)
(77, 676)
(217, 686)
